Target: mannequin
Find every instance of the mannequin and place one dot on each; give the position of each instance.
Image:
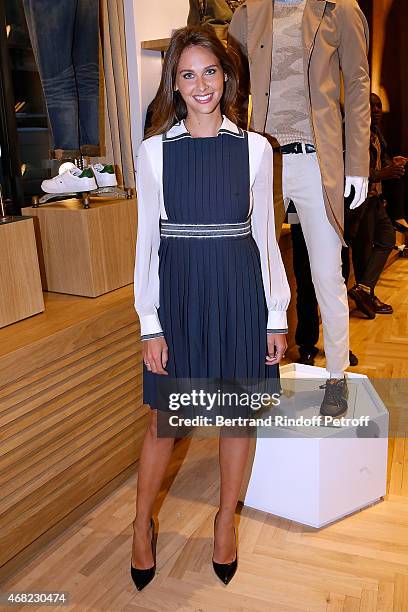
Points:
(65, 41)
(64, 37)
(217, 13)
(295, 87)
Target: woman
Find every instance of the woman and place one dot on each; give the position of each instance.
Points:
(211, 296)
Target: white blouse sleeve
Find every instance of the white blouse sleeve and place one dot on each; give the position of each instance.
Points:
(146, 285)
(276, 286)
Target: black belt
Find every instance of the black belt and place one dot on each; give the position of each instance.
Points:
(297, 147)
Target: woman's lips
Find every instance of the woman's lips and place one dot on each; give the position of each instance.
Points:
(204, 99)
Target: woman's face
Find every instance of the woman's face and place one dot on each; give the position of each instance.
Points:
(200, 80)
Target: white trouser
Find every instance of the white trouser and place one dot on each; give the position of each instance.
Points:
(302, 183)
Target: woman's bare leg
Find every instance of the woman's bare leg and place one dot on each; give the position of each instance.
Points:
(153, 462)
(233, 459)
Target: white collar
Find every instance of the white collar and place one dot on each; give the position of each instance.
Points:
(180, 131)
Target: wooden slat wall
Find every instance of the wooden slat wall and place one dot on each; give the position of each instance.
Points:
(71, 418)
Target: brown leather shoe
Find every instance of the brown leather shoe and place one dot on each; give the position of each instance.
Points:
(334, 403)
(380, 307)
(363, 301)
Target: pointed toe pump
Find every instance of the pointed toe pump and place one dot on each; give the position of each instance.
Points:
(225, 571)
(142, 577)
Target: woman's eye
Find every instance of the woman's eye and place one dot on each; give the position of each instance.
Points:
(188, 75)
(211, 71)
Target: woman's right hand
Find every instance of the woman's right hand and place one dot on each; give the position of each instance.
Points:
(277, 347)
(392, 171)
(400, 160)
(156, 355)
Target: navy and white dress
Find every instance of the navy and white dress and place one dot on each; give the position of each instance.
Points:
(209, 274)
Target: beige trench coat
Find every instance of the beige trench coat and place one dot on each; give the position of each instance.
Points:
(335, 36)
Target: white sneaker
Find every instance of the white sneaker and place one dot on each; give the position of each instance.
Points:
(66, 166)
(73, 180)
(105, 175)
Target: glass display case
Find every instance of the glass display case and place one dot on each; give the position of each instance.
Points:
(24, 131)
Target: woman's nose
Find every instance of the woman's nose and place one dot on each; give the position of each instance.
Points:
(202, 84)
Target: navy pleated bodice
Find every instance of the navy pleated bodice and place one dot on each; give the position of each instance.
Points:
(206, 180)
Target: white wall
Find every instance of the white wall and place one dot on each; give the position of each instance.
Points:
(147, 20)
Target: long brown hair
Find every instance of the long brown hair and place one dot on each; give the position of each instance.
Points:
(168, 107)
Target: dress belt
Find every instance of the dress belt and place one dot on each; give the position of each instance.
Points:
(209, 230)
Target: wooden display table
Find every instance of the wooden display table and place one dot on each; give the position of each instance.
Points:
(86, 252)
(20, 283)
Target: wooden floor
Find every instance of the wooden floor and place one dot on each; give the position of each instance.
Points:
(357, 564)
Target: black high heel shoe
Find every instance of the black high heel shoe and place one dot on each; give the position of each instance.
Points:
(142, 577)
(225, 571)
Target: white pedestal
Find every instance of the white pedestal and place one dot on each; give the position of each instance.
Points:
(316, 475)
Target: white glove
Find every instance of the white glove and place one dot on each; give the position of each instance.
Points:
(360, 184)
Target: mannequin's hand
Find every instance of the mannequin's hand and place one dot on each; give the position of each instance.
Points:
(360, 184)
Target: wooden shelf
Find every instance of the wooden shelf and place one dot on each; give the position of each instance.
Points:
(161, 44)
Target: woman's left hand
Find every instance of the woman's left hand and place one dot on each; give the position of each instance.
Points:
(277, 345)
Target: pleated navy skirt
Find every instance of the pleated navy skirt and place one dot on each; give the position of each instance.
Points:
(212, 303)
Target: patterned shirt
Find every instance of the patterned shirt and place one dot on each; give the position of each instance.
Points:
(288, 115)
